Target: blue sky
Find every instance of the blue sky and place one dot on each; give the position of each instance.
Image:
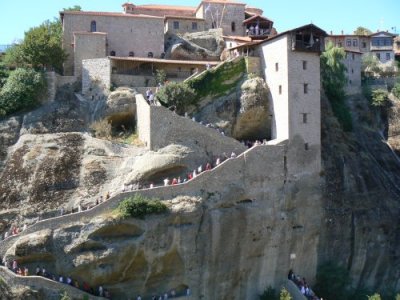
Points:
(17, 16)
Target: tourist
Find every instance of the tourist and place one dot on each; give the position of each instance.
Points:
(218, 161)
(194, 174)
(208, 167)
(100, 291)
(179, 180)
(233, 155)
(190, 176)
(61, 211)
(108, 195)
(14, 266)
(148, 94)
(26, 271)
(165, 296)
(37, 271)
(76, 284)
(174, 181)
(138, 297)
(151, 98)
(60, 279)
(123, 188)
(173, 293)
(44, 273)
(69, 280)
(86, 287)
(151, 185)
(79, 207)
(187, 292)
(200, 169)
(166, 182)
(6, 235)
(291, 275)
(107, 294)
(24, 227)
(19, 272)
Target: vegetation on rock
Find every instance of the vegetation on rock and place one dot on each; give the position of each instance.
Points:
(379, 97)
(21, 91)
(269, 294)
(362, 31)
(139, 206)
(161, 76)
(178, 95)
(101, 128)
(396, 90)
(334, 81)
(218, 80)
(285, 295)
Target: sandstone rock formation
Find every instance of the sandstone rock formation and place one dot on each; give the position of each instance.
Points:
(120, 108)
(206, 45)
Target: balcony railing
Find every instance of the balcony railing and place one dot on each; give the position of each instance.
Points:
(306, 46)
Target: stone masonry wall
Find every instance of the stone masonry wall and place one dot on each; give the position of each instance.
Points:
(125, 33)
(168, 128)
(143, 120)
(185, 25)
(96, 75)
(353, 66)
(88, 45)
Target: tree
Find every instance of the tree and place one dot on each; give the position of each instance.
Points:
(374, 297)
(370, 65)
(40, 48)
(362, 31)
(379, 97)
(21, 91)
(177, 95)
(161, 76)
(331, 281)
(73, 8)
(285, 295)
(333, 73)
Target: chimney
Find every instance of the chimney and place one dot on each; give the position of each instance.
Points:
(342, 32)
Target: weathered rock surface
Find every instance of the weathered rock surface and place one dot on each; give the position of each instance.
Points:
(120, 107)
(206, 45)
(9, 134)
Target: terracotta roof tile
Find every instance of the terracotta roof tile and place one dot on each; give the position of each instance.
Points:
(107, 14)
(183, 17)
(166, 7)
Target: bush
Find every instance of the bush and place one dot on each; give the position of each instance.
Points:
(64, 295)
(22, 90)
(379, 97)
(374, 297)
(285, 295)
(269, 294)
(102, 128)
(139, 206)
(396, 90)
(176, 94)
(161, 76)
(331, 281)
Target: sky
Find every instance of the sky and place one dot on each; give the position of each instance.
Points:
(18, 16)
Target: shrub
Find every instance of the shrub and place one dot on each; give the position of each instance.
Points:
(269, 294)
(161, 76)
(102, 128)
(139, 206)
(21, 90)
(331, 281)
(176, 94)
(64, 295)
(379, 97)
(396, 90)
(285, 295)
(374, 297)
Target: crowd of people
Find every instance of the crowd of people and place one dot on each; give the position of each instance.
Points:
(41, 271)
(303, 286)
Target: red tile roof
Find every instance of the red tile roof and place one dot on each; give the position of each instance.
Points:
(166, 61)
(183, 17)
(166, 7)
(256, 17)
(107, 14)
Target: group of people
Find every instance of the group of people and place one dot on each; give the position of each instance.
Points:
(303, 286)
(13, 231)
(24, 271)
(250, 144)
(208, 125)
(168, 295)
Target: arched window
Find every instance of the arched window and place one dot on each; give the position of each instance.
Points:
(131, 53)
(112, 53)
(150, 54)
(233, 26)
(93, 26)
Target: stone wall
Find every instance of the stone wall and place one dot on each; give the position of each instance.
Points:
(223, 15)
(352, 62)
(125, 33)
(63, 80)
(143, 120)
(96, 76)
(253, 65)
(88, 45)
(168, 128)
(132, 80)
(185, 25)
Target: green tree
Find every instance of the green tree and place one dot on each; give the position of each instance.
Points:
(374, 297)
(161, 76)
(333, 73)
(285, 295)
(73, 8)
(21, 91)
(370, 65)
(362, 31)
(398, 297)
(176, 94)
(379, 97)
(139, 206)
(331, 281)
(14, 56)
(269, 294)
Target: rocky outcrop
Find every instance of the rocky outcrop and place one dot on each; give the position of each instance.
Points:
(9, 134)
(120, 107)
(206, 45)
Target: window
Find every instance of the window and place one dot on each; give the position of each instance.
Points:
(304, 118)
(150, 54)
(194, 25)
(387, 56)
(131, 53)
(304, 65)
(112, 53)
(305, 87)
(213, 24)
(306, 146)
(352, 71)
(276, 67)
(233, 26)
(364, 44)
(350, 82)
(352, 56)
(280, 90)
(176, 24)
(378, 56)
(348, 43)
(93, 26)
(355, 43)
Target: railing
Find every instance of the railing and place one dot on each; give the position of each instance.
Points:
(307, 46)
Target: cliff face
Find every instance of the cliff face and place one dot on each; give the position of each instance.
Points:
(228, 234)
